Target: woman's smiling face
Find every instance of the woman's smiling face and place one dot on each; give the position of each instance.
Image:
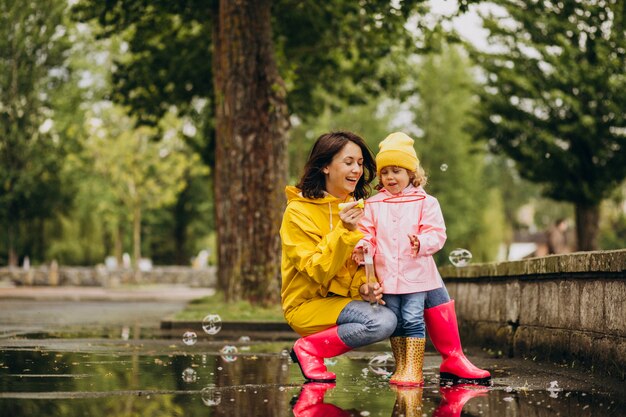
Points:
(344, 171)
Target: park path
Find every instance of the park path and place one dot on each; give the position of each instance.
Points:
(45, 309)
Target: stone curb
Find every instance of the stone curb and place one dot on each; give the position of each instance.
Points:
(257, 330)
(583, 263)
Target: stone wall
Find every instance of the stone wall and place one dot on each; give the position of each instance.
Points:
(103, 277)
(567, 308)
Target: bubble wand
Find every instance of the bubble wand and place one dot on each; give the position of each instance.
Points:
(370, 274)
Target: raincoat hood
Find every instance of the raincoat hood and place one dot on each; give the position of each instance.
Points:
(294, 194)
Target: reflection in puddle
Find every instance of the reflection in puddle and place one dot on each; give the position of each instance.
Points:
(144, 377)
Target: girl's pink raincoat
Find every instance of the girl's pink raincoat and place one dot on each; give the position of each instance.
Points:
(387, 222)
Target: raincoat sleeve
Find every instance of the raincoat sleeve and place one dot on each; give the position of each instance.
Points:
(358, 280)
(432, 228)
(317, 255)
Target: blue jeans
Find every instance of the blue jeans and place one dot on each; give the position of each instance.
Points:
(436, 297)
(361, 324)
(409, 310)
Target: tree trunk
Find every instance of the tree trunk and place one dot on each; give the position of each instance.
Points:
(13, 259)
(587, 221)
(136, 235)
(251, 158)
(118, 245)
(181, 223)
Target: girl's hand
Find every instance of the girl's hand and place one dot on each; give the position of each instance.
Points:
(378, 293)
(358, 256)
(351, 216)
(415, 245)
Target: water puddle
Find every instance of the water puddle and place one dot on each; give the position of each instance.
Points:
(119, 373)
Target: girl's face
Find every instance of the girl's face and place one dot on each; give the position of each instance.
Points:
(344, 171)
(394, 179)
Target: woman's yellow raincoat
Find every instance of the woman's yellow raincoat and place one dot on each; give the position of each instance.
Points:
(319, 278)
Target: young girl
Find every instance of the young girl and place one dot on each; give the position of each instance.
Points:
(404, 227)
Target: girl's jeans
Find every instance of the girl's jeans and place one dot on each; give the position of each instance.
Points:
(409, 310)
(361, 324)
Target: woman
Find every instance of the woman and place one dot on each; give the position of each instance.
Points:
(325, 297)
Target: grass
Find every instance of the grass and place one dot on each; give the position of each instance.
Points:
(231, 311)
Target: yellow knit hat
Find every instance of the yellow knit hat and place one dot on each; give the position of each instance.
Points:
(397, 150)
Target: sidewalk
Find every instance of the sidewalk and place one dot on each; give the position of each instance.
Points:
(26, 310)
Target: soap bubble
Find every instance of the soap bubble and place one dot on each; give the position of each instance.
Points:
(382, 364)
(211, 396)
(212, 323)
(443, 167)
(229, 353)
(190, 338)
(244, 340)
(460, 257)
(330, 361)
(189, 375)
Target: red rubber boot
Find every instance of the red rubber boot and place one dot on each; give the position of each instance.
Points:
(309, 352)
(310, 402)
(454, 398)
(443, 330)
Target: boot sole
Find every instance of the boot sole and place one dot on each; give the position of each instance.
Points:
(446, 378)
(294, 358)
(407, 384)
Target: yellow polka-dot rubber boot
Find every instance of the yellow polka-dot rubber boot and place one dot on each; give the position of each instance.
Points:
(398, 347)
(414, 362)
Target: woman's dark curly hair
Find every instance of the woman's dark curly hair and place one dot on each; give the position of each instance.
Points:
(313, 181)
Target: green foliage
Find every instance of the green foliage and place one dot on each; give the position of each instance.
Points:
(337, 47)
(32, 52)
(613, 223)
(553, 99)
(454, 163)
(168, 61)
(495, 229)
(175, 233)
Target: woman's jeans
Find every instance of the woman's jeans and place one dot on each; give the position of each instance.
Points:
(361, 324)
(409, 310)
(436, 297)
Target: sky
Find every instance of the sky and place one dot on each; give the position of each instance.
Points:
(469, 24)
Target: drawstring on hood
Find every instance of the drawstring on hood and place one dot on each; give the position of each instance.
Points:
(330, 216)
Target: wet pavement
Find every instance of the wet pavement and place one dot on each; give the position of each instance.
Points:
(96, 356)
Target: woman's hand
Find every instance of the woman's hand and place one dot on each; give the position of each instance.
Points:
(351, 216)
(358, 255)
(377, 295)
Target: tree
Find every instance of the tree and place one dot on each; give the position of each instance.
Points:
(32, 47)
(553, 99)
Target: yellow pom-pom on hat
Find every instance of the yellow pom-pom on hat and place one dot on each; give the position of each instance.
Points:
(397, 150)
